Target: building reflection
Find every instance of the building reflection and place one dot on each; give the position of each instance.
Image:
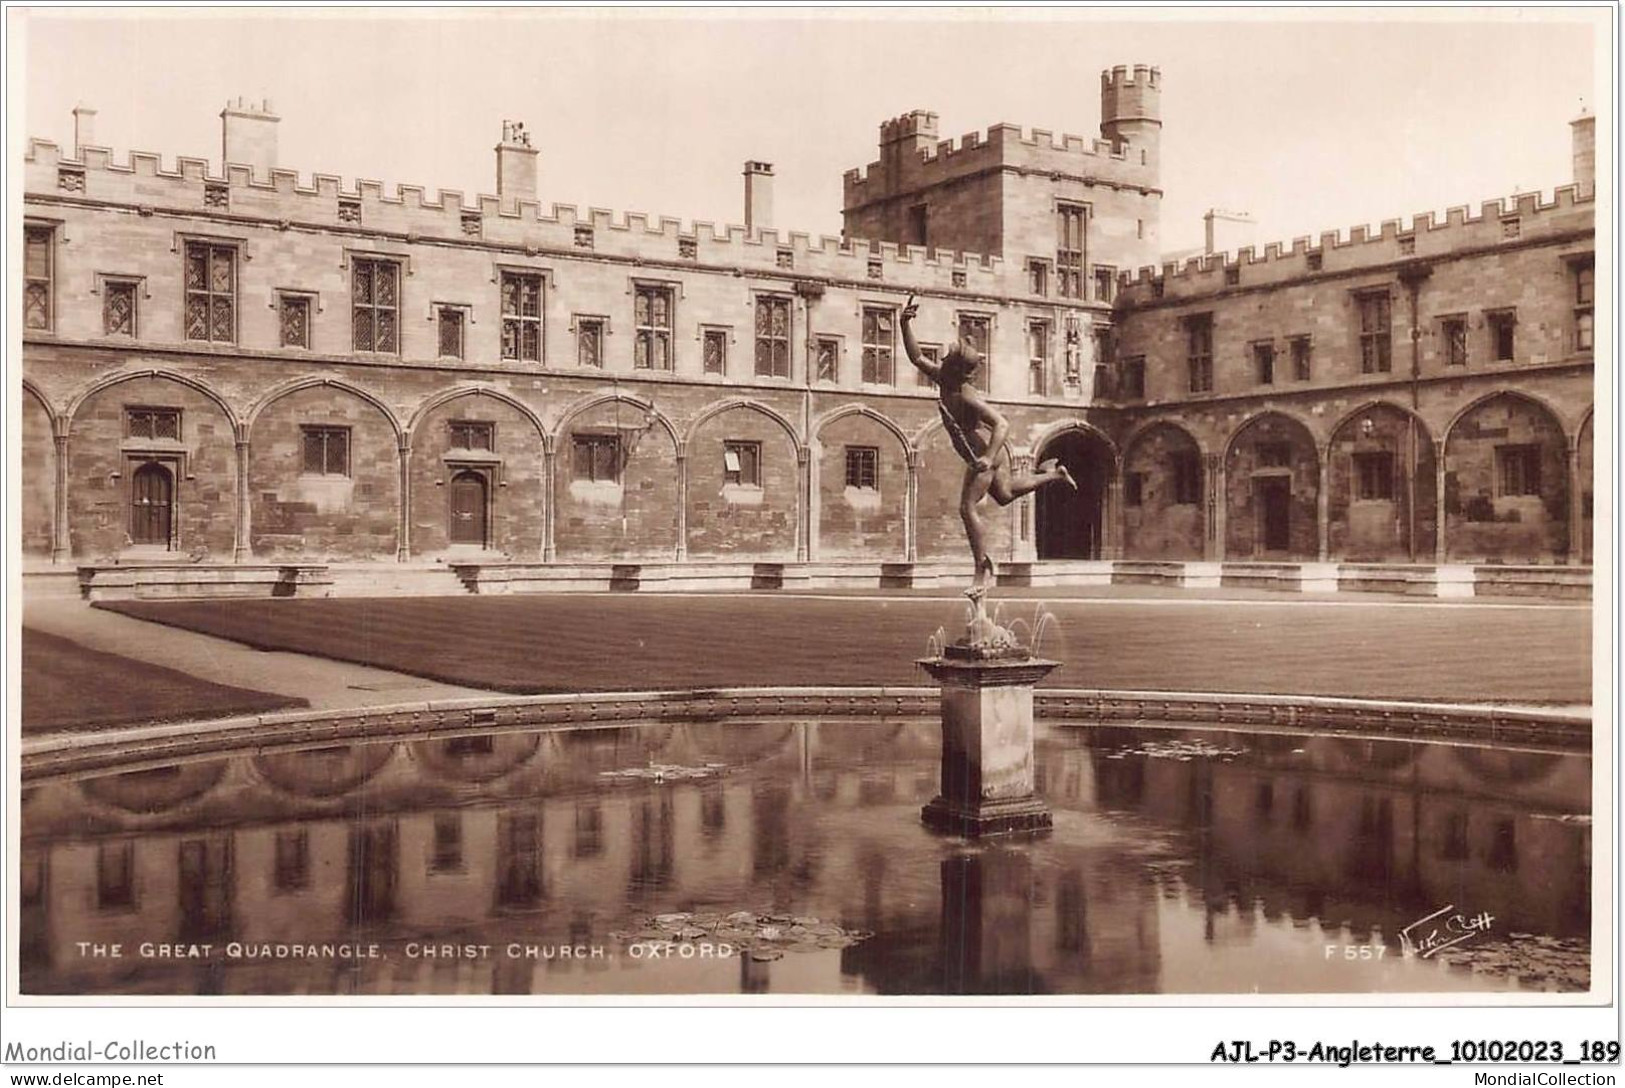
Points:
(519, 838)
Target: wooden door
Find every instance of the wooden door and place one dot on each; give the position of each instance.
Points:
(152, 501)
(468, 508)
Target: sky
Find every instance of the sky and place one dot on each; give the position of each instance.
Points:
(1304, 119)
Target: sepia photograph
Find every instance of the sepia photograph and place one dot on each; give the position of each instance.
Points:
(730, 506)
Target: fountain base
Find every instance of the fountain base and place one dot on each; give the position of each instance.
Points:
(987, 785)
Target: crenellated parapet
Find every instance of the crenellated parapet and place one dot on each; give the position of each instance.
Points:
(1520, 220)
(1001, 147)
(285, 199)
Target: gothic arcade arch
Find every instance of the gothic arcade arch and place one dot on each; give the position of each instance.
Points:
(1272, 489)
(1506, 487)
(1164, 493)
(1382, 501)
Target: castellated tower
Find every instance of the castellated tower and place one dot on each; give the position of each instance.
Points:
(1131, 112)
(1011, 193)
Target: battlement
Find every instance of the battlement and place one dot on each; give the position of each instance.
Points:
(282, 198)
(1521, 218)
(1118, 77)
(916, 124)
(1002, 145)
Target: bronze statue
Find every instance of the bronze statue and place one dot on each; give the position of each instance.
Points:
(980, 435)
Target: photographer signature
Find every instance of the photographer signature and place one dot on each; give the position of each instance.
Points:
(1442, 929)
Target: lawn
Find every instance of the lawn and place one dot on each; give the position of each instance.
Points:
(68, 687)
(1467, 652)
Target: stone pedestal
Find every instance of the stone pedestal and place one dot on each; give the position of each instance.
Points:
(987, 746)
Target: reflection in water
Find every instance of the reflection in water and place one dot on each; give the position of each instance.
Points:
(502, 863)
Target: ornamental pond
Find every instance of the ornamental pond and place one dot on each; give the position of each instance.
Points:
(787, 857)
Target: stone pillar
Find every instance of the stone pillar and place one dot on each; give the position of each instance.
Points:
(987, 783)
(804, 530)
(1216, 486)
(1440, 549)
(682, 501)
(403, 547)
(1323, 503)
(1023, 547)
(61, 538)
(241, 543)
(815, 502)
(1112, 515)
(550, 502)
(911, 501)
(1576, 554)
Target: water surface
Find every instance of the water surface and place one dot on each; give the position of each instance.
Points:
(1182, 861)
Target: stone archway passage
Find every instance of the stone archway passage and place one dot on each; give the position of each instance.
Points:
(1072, 524)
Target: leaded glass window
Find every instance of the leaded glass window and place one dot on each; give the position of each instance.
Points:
(327, 451)
(1069, 251)
(1375, 336)
(651, 348)
(295, 321)
(716, 351)
(772, 336)
(118, 308)
(879, 345)
(468, 434)
(375, 304)
(590, 342)
(153, 423)
(451, 332)
(38, 266)
(211, 292)
(522, 316)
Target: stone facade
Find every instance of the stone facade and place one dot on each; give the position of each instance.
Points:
(253, 366)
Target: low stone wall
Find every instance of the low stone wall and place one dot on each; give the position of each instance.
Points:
(192, 581)
(150, 746)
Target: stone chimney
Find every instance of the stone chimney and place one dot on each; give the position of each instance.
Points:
(516, 163)
(84, 129)
(758, 195)
(248, 135)
(1227, 231)
(1584, 130)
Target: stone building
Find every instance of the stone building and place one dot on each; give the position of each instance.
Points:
(243, 369)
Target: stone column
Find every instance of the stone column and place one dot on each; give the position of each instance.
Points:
(1023, 514)
(815, 503)
(804, 530)
(682, 502)
(241, 543)
(911, 500)
(403, 548)
(550, 502)
(1112, 514)
(1576, 522)
(61, 539)
(1216, 488)
(1323, 503)
(1440, 551)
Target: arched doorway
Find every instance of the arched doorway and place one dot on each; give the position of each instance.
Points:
(469, 499)
(1272, 489)
(1071, 524)
(152, 503)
